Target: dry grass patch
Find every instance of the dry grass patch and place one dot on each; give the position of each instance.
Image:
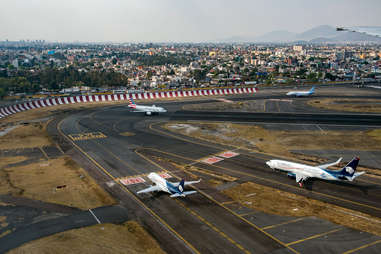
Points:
(274, 201)
(59, 181)
(129, 237)
(26, 136)
(278, 142)
(4, 161)
(352, 105)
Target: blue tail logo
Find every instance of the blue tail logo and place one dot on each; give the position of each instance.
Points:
(350, 168)
(312, 90)
(181, 186)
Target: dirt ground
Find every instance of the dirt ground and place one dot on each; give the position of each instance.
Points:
(26, 136)
(129, 237)
(59, 181)
(274, 201)
(4, 161)
(278, 142)
(352, 105)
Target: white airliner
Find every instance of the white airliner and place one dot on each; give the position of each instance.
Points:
(301, 93)
(148, 110)
(302, 172)
(175, 189)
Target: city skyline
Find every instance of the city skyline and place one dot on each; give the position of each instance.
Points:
(174, 21)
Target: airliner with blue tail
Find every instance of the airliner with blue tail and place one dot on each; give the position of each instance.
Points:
(303, 172)
(302, 93)
(175, 189)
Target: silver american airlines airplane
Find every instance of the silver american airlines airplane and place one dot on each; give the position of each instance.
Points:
(148, 110)
(302, 172)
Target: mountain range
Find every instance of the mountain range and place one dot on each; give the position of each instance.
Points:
(319, 34)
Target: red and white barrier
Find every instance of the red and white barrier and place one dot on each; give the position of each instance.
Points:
(13, 109)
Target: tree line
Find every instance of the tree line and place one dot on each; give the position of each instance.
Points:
(56, 79)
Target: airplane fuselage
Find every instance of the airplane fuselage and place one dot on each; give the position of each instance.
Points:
(159, 181)
(306, 170)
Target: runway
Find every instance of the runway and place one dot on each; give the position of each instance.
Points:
(131, 145)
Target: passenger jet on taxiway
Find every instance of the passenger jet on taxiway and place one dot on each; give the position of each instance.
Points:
(302, 172)
(175, 189)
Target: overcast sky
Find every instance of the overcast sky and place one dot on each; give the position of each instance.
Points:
(174, 20)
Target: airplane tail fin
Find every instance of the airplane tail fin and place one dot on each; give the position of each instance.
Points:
(131, 103)
(312, 90)
(349, 170)
(181, 186)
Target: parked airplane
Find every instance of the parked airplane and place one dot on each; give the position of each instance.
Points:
(175, 189)
(148, 110)
(301, 93)
(302, 172)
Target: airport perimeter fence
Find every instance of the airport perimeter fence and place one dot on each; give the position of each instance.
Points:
(13, 109)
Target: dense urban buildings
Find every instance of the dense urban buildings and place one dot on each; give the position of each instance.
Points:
(37, 67)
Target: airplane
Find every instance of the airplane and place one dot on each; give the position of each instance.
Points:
(175, 189)
(301, 93)
(148, 110)
(302, 172)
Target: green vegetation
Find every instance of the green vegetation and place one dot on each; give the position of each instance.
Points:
(53, 78)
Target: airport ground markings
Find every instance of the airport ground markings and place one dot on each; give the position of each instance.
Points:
(211, 160)
(283, 223)
(211, 144)
(228, 154)
(271, 181)
(362, 247)
(107, 173)
(213, 227)
(87, 136)
(315, 236)
(227, 208)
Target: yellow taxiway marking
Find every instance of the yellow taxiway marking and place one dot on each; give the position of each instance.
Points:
(283, 223)
(246, 214)
(314, 236)
(87, 136)
(129, 192)
(212, 227)
(229, 202)
(226, 208)
(271, 181)
(362, 247)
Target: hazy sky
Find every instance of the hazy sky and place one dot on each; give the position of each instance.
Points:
(174, 20)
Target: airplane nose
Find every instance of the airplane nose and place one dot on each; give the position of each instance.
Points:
(269, 163)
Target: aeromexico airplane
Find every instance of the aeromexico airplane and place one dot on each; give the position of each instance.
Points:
(301, 93)
(175, 189)
(302, 172)
(148, 110)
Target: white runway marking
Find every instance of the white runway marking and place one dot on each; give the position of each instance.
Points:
(95, 217)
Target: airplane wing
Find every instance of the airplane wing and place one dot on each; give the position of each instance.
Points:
(185, 193)
(150, 189)
(188, 182)
(355, 175)
(300, 177)
(324, 166)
